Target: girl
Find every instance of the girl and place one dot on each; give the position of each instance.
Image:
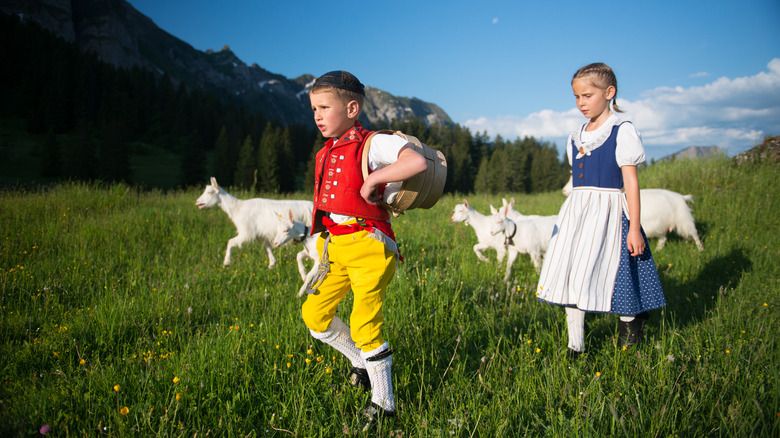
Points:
(598, 259)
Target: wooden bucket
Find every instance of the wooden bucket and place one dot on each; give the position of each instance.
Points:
(422, 190)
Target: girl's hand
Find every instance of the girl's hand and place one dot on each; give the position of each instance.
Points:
(635, 242)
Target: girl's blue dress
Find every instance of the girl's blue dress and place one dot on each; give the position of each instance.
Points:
(587, 264)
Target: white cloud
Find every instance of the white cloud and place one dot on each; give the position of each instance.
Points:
(701, 74)
(495, 20)
(734, 114)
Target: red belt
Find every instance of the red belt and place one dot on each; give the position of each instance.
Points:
(361, 224)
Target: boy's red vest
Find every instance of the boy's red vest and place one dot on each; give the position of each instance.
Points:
(338, 178)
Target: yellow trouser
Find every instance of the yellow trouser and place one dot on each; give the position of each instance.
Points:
(364, 265)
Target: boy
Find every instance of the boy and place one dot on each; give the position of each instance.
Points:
(357, 245)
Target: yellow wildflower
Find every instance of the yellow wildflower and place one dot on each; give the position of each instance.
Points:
(124, 410)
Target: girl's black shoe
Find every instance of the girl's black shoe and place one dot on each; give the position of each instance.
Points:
(632, 332)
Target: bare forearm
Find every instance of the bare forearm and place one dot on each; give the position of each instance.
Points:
(631, 186)
(409, 164)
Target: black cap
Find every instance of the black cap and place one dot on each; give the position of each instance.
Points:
(340, 79)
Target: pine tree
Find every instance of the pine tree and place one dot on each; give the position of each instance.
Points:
(222, 163)
(80, 157)
(113, 156)
(288, 165)
(482, 183)
(246, 166)
(52, 158)
(267, 159)
(308, 177)
(193, 161)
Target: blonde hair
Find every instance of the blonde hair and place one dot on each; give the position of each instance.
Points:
(603, 77)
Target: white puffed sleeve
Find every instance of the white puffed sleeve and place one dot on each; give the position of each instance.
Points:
(629, 150)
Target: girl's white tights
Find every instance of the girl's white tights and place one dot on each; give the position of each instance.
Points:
(575, 321)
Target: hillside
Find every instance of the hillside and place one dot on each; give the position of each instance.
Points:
(692, 152)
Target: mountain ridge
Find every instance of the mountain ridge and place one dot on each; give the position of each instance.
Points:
(122, 36)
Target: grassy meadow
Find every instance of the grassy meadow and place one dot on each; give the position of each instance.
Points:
(118, 319)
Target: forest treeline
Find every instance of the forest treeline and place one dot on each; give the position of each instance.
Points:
(93, 117)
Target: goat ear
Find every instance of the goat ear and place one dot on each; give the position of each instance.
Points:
(493, 210)
(503, 201)
(465, 202)
(511, 204)
(292, 219)
(214, 183)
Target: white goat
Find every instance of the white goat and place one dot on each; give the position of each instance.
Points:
(253, 218)
(545, 225)
(525, 234)
(485, 239)
(662, 211)
(291, 230)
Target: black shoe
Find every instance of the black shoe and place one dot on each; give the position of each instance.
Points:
(632, 332)
(372, 415)
(358, 377)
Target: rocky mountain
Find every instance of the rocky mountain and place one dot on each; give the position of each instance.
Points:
(124, 37)
(692, 152)
(767, 152)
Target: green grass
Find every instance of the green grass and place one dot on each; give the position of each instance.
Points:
(114, 298)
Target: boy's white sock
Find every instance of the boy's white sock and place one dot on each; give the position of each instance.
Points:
(627, 318)
(338, 336)
(381, 377)
(575, 320)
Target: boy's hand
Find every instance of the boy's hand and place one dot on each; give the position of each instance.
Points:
(369, 193)
(635, 242)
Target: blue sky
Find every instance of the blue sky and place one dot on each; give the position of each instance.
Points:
(689, 72)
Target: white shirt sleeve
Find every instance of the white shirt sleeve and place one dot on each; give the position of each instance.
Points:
(568, 150)
(629, 150)
(384, 150)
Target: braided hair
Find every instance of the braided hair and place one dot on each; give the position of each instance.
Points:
(603, 77)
